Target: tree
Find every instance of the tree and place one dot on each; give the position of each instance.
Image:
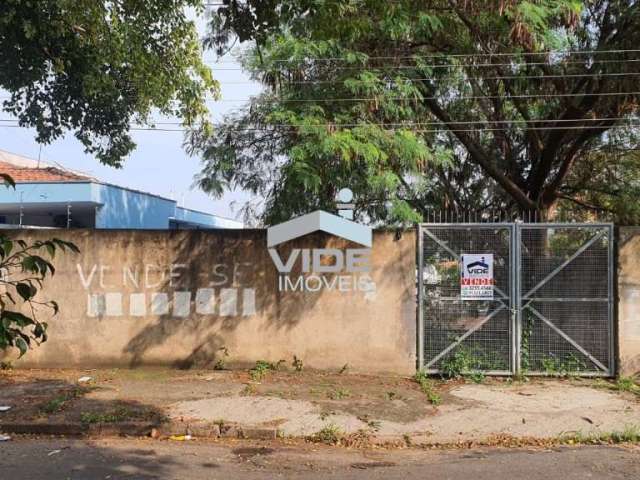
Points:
(23, 270)
(93, 67)
(442, 104)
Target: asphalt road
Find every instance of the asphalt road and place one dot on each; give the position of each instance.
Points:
(52, 459)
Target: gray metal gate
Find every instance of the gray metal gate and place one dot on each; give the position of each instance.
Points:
(552, 311)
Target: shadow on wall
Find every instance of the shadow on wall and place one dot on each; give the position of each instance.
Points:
(238, 262)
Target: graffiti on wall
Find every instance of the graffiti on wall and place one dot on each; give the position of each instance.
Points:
(154, 290)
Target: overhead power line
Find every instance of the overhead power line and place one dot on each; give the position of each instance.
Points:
(424, 79)
(418, 99)
(267, 99)
(435, 55)
(402, 124)
(270, 128)
(419, 66)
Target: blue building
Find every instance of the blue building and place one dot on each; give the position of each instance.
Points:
(52, 196)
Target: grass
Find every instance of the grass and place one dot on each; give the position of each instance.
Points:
(622, 384)
(59, 402)
(113, 416)
(330, 434)
(627, 384)
(630, 434)
(248, 390)
(262, 367)
(339, 394)
(428, 388)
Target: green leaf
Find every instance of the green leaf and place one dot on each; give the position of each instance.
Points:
(22, 345)
(18, 318)
(26, 291)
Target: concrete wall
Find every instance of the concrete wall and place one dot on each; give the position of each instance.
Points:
(177, 298)
(629, 300)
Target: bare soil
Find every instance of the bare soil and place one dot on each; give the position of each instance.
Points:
(303, 403)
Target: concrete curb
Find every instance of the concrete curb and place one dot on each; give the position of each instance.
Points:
(140, 429)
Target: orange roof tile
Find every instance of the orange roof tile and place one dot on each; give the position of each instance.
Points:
(44, 174)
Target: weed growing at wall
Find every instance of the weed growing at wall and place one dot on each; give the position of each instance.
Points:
(221, 363)
(262, 368)
(428, 387)
(297, 364)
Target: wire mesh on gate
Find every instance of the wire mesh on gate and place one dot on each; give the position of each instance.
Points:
(566, 299)
(464, 335)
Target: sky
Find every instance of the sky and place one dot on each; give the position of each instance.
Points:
(159, 164)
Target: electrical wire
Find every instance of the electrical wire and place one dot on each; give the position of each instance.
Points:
(418, 66)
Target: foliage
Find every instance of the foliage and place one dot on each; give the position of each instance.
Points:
(262, 367)
(297, 364)
(93, 67)
(221, 363)
(24, 269)
(116, 415)
(525, 350)
(621, 384)
(627, 384)
(630, 434)
(562, 367)
(387, 98)
(59, 402)
(428, 388)
(469, 363)
(330, 434)
(339, 394)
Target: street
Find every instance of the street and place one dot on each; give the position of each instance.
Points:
(113, 459)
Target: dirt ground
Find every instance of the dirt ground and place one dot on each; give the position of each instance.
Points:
(306, 402)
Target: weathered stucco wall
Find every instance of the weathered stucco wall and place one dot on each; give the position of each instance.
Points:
(177, 298)
(629, 300)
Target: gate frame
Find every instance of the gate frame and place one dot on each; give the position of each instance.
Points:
(515, 289)
(611, 311)
(512, 292)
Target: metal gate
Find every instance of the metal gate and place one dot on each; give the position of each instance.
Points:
(552, 311)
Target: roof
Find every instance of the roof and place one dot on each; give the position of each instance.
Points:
(27, 170)
(23, 169)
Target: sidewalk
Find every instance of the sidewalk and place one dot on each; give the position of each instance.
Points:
(265, 403)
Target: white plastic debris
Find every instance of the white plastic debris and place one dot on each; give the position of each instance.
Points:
(4, 408)
(85, 379)
(4, 438)
(53, 452)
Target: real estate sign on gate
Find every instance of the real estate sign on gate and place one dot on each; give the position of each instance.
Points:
(476, 276)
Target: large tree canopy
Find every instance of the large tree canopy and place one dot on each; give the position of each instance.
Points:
(439, 104)
(94, 67)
